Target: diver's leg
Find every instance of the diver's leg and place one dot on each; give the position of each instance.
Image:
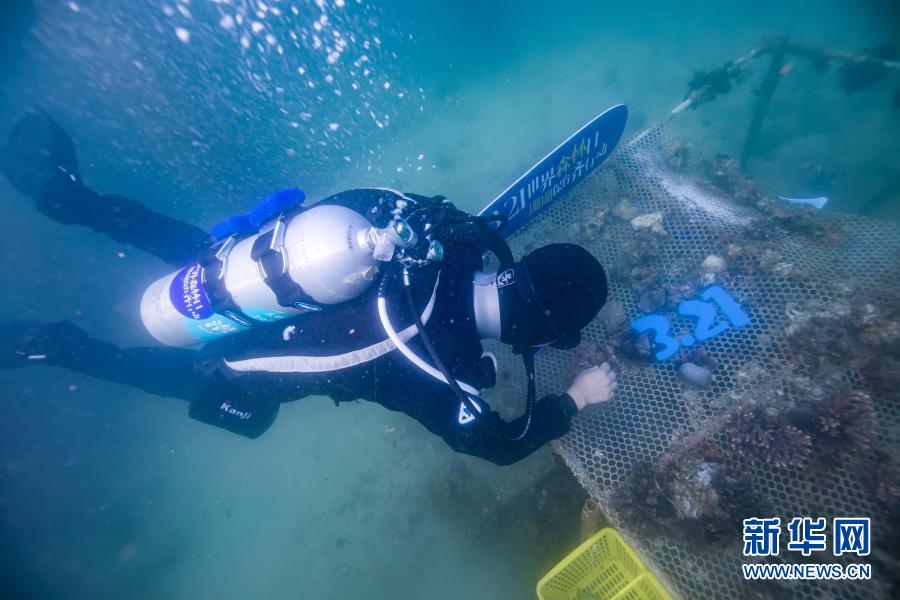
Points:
(243, 405)
(39, 160)
(160, 371)
(125, 220)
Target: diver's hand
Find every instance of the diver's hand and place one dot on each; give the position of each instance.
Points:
(593, 386)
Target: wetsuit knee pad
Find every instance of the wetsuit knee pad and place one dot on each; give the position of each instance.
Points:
(249, 417)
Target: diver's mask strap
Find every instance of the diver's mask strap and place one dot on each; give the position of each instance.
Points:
(486, 302)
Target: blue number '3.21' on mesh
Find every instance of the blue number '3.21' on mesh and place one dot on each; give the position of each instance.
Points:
(707, 312)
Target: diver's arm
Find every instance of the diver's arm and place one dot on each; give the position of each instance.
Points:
(551, 419)
(493, 439)
(433, 404)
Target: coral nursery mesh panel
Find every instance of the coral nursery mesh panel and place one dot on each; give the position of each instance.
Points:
(799, 417)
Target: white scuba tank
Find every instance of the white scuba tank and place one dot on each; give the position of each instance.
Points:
(331, 252)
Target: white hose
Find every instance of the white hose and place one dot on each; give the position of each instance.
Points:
(405, 351)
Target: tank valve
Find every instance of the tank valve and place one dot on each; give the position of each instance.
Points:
(402, 234)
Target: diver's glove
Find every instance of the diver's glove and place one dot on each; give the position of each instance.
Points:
(15, 341)
(593, 386)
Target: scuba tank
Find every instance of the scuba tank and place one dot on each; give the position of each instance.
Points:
(296, 261)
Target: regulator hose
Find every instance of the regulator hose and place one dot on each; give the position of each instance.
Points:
(527, 359)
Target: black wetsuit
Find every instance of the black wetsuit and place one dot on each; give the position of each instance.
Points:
(247, 402)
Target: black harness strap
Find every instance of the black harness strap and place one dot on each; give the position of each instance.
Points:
(212, 263)
(268, 252)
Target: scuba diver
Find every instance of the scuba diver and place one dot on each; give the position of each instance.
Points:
(368, 294)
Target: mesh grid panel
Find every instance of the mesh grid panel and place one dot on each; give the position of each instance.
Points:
(793, 282)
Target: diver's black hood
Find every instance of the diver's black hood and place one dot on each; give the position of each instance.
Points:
(550, 295)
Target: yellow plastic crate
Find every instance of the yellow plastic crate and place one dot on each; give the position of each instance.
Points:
(645, 587)
(602, 568)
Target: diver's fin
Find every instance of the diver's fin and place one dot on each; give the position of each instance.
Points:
(15, 341)
(558, 172)
(37, 149)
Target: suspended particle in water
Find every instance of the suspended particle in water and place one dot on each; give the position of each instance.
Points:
(183, 34)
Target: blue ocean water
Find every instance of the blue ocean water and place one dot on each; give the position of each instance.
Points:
(198, 108)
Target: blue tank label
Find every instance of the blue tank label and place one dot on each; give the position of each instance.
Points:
(187, 293)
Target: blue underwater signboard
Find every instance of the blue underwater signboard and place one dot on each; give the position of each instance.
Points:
(559, 171)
